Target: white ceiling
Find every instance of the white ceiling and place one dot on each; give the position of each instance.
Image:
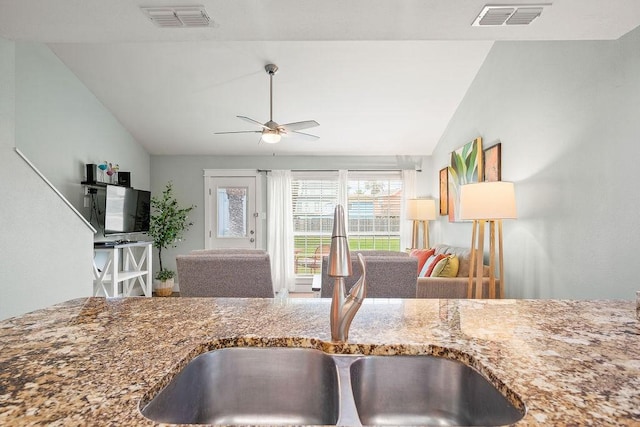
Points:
(380, 76)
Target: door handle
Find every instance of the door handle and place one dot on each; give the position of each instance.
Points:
(252, 240)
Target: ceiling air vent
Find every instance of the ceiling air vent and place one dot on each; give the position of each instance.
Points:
(179, 16)
(492, 16)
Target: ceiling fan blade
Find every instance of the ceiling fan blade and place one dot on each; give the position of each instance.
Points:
(240, 131)
(255, 122)
(291, 127)
(303, 135)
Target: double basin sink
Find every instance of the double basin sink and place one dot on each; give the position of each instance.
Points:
(296, 386)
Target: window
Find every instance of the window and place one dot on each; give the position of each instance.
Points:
(232, 211)
(314, 197)
(373, 210)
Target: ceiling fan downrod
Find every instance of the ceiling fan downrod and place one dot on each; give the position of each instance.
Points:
(271, 69)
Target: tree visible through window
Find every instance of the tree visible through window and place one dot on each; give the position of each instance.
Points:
(373, 211)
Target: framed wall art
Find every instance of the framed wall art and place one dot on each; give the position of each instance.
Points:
(466, 167)
(444, 191)
(492, 163)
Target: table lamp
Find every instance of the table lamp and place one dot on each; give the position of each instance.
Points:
(421, 211)
(487, 202)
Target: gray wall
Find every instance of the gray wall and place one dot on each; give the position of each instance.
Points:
(567, 116)
(61, 125)
(186, 173)
(45, 250)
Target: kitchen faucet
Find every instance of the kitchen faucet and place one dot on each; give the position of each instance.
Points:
(343, 308)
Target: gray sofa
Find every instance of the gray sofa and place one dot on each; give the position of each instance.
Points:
(453, 287)
(234, 273)
(394, 275)
(389, 275)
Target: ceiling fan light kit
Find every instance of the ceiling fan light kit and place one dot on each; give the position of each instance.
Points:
(271, 131)
(270, 137)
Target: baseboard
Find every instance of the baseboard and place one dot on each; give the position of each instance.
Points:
(303, 288)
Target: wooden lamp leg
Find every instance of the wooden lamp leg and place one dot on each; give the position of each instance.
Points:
(414, 237)
(480, 258)
(425, 234)
(472, 259)
(500, 258)
(492, 259)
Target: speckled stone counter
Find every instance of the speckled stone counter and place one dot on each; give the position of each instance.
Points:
(91, 361)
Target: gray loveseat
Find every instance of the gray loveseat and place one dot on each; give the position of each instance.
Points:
(453, 287)
(389, 275)
(394, 275)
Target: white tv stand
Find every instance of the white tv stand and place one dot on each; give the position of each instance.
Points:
(136, 268)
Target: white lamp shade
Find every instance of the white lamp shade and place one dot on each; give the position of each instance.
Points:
(488, 200)
(421, 209)
(270, 137)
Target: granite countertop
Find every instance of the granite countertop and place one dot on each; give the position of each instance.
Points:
(90, 361)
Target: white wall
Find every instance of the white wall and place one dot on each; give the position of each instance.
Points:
(567, 116)
(45, 249)
(186, 173)
(61, 125)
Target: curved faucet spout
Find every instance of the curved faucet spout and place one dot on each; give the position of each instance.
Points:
(344, 308)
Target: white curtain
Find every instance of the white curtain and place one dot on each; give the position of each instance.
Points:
(409, 178)
(280, 225)
(343, 196)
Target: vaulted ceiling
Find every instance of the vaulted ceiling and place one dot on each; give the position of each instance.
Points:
(380, 76)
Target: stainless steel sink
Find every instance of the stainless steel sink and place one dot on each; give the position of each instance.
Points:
(279, 386)
(287, 386)
(426, 390)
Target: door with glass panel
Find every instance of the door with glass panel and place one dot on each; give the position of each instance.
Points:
(232, 217)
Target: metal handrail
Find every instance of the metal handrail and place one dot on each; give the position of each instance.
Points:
(55, 190)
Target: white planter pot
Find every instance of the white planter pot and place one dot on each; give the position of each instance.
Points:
(164, 288)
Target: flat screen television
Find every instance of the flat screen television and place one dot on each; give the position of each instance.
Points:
(126, 210)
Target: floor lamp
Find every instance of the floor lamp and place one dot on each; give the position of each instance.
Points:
(421, 211)
(487, 202)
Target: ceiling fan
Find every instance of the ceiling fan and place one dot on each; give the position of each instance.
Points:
(272, 131)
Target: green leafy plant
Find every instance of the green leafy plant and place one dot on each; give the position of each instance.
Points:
(167, 224)
(164, 275)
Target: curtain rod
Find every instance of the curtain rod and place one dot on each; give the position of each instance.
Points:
(336, 170)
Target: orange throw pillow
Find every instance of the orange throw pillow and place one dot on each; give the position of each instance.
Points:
(422, 255)
(433, 264)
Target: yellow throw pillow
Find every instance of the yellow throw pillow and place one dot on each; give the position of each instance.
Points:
(446, 267)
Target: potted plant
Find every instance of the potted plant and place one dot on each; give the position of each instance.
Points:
(167, 224)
